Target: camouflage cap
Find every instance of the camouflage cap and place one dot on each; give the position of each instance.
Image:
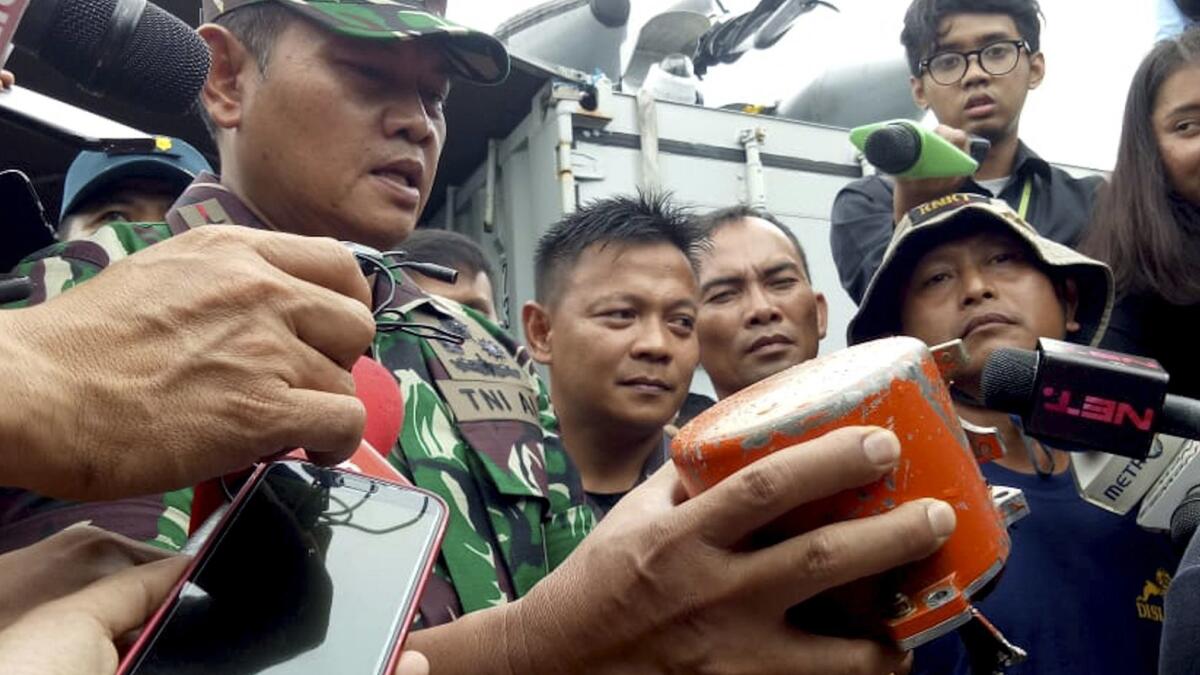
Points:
(473, 55)
(957, 215)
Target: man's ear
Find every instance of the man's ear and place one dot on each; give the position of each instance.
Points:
(918, 92)
(1037, 70)
(822, 315)
(1070, 301)
(536, 320)
(224, 91)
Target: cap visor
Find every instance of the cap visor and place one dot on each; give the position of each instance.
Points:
(473, 55)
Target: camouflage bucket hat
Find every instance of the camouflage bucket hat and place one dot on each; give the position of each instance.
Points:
(933, 223)
(473, 55)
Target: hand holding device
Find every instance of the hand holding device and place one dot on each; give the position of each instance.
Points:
(906, 149)
(895, 383)
(926, 164)
(64, 563)
(217, 348)
(667, 582)
(80, 632)
(339, 562)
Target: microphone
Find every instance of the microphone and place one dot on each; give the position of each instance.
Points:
(1083, 397)
(11, 12)
(380, 394)
(1172, 503)
(906, 149)
(127, 49)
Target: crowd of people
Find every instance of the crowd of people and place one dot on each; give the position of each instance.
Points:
(190, 324)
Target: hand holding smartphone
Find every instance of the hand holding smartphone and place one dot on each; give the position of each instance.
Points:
(311, 570)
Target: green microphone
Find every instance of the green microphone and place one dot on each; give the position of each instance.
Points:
(906, 149)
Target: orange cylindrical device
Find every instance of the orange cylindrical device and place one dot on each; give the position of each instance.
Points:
(895, 384)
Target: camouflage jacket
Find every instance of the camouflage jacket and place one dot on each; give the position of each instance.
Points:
(478, 426)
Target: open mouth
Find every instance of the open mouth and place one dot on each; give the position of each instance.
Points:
(980, 103)
(404, 176)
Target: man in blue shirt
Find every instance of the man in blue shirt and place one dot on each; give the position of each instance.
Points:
(1082, 590)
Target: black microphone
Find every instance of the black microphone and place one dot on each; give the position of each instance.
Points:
(1083, 397)
(1185, 518)
(127, 49)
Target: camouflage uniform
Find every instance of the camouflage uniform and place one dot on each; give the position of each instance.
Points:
(478, 427)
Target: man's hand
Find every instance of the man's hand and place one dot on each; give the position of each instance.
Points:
(412, 663)
(667, 585)
(63, 564)
(76, 634)
(191, 359)
(7, 79)
(912, 192)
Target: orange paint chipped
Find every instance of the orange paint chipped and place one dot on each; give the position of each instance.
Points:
(895, 384)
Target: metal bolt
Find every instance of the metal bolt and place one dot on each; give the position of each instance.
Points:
(901, 606)
(938, 598)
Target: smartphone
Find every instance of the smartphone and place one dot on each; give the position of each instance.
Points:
(23, 225)
(310, 570)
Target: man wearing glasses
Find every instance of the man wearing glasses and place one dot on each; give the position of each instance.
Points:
(972, 63)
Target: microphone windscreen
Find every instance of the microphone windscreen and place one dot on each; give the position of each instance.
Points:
(380, 393)
(1184, 520)
(894, 148)
(161, 67)
(1008, 380)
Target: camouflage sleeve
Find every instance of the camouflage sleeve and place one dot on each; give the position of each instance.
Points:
(61, 266)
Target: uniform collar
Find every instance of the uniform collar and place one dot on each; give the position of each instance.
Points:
(207, 202)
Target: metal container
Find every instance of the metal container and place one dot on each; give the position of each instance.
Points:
(895, 384)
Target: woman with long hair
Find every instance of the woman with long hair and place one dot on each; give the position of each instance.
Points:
(1146, 224)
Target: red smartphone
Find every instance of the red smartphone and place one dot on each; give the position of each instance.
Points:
(310, 570)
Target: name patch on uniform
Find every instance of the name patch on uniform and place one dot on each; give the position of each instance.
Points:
(489, 401)
(486, 383)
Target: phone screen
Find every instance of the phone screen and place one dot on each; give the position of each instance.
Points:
(313, 573)
(23, 226)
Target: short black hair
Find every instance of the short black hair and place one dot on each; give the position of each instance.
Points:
(448, 249)
(642, 219)
(923, 20)
(709, 223)
(257, 27)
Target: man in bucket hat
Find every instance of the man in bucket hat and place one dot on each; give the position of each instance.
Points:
(328, 117)
(968, 267)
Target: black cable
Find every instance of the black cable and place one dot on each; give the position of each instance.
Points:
(15, 289)
(349, 510)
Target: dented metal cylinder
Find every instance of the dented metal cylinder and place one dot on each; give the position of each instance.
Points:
(895, 384)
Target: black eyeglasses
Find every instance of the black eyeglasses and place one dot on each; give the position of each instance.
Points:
(996, 58)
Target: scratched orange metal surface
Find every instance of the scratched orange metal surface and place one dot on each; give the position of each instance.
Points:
(895, 384)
